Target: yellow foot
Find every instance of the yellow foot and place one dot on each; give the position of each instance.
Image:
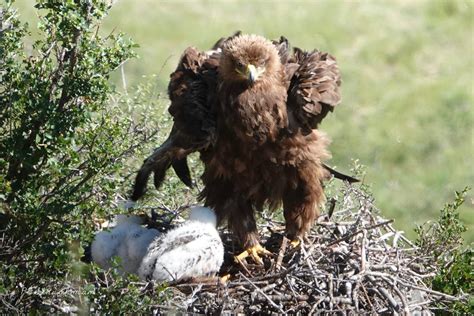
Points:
(295, 243)
(225, 278)
(253, 252)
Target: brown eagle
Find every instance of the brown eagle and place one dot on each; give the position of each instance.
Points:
(251, 107)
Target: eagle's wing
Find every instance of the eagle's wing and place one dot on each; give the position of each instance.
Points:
(220, 42)
(283, 48)
(191, 91)
(313, 80)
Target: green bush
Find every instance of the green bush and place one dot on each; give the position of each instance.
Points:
(442, 245)
(68, 143)
(64, 136)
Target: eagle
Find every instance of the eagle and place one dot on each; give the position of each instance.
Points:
(251, 107)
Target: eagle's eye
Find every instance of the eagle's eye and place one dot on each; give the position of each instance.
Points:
(240, 64)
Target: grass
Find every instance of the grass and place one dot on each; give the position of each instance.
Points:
(407, 110)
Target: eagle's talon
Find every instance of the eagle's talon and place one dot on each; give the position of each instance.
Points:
(223, 279)
(295, 243)
(254, 252)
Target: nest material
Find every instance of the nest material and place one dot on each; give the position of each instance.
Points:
(353, 261)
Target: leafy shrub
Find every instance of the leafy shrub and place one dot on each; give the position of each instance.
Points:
(110, 292)
(64, 136)
(442, 244)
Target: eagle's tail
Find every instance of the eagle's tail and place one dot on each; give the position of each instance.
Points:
(339, 175)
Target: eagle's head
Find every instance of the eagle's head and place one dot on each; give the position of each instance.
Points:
(249, 59)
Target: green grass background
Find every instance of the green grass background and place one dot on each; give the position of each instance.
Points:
(407, 67)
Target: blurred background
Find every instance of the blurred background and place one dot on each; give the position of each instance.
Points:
(407, 67)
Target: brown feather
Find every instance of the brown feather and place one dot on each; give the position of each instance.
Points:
(220, 42)
(283, 48)
(256, 137)
(191, 90)
(313, 89)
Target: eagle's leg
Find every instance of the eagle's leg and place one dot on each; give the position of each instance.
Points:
(242, 222)
(301, 208)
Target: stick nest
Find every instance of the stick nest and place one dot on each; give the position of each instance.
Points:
(352, 261)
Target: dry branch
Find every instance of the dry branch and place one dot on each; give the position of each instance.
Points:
(353, 262)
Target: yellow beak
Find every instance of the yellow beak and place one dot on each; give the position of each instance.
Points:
(252, 73)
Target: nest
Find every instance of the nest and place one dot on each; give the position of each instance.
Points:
(353, 261)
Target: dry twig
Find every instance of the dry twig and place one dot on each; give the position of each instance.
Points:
(353, 262)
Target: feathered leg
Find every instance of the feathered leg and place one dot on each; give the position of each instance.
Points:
(241, 220)
(301, 204)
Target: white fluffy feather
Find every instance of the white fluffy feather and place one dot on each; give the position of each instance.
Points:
(128, 240)
(128, 204)
(190, 250)
(126, 219)
(203, 215)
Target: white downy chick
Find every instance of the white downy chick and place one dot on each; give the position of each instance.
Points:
(191, 250)
(128, 240)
